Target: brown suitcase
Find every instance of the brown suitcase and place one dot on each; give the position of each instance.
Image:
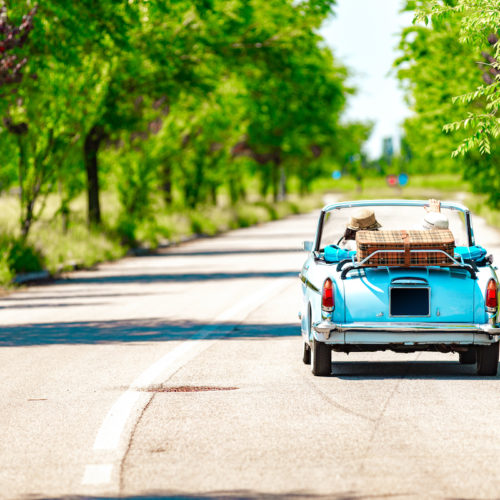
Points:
(368, 242)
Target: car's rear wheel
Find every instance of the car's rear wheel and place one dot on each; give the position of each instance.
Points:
(468, 357)
(321, 359)
(306, 358)
(487, 359)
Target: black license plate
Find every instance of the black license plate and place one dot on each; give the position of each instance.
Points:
(409, 302)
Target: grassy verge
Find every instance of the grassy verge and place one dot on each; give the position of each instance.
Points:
(50, 248)
(440, 186)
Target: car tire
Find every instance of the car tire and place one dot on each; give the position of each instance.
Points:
(306, 358)
(487, 359)
(468, 357)
(321, 359)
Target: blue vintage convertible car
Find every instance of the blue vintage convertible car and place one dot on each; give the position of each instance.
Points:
(354, 302)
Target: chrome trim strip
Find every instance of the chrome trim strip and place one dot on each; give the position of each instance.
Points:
(307, 283)
(409, 280)
(390, 250)
(397, 203)
(329, 327)
(312, 287)
(363, 265)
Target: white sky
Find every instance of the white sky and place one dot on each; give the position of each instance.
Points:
(364, 36)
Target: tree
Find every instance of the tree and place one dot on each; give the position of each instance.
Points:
(478, 22)
(150, 97)
(436, 66)
(48, 120)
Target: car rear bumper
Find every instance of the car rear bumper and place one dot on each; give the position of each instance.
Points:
(406, 333)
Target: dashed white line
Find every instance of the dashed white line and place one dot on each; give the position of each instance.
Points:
(97, 474)
(110, 433)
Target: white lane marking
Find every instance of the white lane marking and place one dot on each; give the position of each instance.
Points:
(97, 474)
(109, 434)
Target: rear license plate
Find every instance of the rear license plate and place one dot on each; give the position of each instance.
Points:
(409, 301)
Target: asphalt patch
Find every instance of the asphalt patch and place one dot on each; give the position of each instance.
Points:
(187, 388)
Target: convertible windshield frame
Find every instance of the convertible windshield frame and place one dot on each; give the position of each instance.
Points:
(450, 205)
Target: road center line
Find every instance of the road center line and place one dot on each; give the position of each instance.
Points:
(109, 435)
(97, 474)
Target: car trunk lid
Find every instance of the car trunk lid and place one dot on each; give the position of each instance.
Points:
(410, 294)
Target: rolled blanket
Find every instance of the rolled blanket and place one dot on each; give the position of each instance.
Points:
(475, 253)
(334, 253)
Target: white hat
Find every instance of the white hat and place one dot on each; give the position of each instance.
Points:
(435, 220)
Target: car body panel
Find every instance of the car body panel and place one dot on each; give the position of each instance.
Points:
(367, 294)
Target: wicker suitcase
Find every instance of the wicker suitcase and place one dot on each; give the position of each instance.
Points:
(368, 242)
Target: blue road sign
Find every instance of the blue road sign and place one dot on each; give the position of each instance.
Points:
(337, 174)
(403, 179)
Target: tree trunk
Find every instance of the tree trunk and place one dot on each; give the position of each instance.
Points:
(90, 149)
(283, 191)
(213, 194)
(26, 213)
(233, 189)
(275, 181)
(27, 220)
(167, 183)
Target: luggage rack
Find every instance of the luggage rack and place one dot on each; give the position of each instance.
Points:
(462, 264)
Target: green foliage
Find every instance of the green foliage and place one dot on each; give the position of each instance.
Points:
(17, 256)
(442, 66)
(170, 108)
(6, 273)
(24, 258)
(477, 22)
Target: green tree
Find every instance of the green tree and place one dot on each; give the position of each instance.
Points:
(436, 66)
(478, 22)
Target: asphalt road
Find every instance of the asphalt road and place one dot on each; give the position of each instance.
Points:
(180, 376)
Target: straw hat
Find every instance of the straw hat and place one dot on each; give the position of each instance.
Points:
(435, 220)
(363, 218)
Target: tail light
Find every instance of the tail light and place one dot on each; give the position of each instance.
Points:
(327, 298)
(491, 296)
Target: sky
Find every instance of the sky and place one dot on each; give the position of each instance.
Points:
(363, 34)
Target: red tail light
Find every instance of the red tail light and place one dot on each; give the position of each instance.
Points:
(491, 295)
(327, 299)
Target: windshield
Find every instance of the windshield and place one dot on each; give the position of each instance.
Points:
(391, 218)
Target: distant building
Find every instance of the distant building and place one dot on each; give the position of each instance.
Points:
(387, 149)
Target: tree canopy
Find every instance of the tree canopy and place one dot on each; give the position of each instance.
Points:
(185, 98)
(448, 68)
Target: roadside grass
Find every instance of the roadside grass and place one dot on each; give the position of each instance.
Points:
(440, 186)
(49, 248)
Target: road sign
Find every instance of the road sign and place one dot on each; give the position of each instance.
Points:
(337, 174)
(391, 180)
(403, 179)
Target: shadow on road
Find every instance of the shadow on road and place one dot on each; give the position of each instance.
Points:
(409, 370)
(173, 277)
(230, 495)
(141, 330)
(35, 296)
(213, 253)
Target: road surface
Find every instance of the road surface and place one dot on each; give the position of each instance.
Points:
(179, 375)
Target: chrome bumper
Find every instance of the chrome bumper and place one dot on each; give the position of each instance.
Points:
(414, 333)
